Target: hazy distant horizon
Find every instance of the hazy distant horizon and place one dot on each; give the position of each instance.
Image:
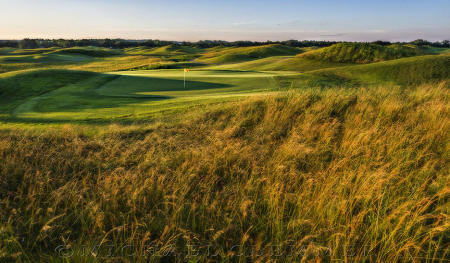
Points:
(351, 20)
(188, 41)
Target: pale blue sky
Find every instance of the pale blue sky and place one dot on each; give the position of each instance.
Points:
(395, 20)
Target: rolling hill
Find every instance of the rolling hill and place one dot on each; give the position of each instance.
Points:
(171, 50)
(232, 55)
(90, 51)
(405, 72)
(362, 53)
(280, 63)
(21, 85)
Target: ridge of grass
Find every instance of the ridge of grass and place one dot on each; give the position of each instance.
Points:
(90, 51)
(362, 53)
(280, 63)
(20, 85)
(174, 50)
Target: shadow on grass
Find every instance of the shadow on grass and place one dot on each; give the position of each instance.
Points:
(120, 92)
(123, 120)
(130, 85)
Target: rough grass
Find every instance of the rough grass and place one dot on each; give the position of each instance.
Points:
(335, 174)
(362, 53)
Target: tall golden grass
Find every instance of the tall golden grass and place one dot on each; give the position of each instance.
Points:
(312, 175)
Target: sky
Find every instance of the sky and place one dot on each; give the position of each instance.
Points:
(256, 20)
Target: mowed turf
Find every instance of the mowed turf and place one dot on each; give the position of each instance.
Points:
(146, 94)
(139, 95)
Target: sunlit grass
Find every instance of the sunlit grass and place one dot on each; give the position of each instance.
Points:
(284, 158)
(315, 170)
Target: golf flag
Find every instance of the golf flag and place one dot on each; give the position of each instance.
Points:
(185, 71)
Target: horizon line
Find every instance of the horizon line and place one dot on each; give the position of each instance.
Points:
(218, 40)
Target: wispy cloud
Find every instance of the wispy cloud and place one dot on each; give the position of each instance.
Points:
(332, 35)
(244, 23)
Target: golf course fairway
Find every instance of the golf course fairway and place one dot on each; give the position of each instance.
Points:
(140, 94)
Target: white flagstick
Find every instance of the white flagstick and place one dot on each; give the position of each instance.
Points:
(184, 78)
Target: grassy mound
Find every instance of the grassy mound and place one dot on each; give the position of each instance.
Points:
(116, 63)
(174, 50)
(138, 50)
(362, 53)
(6, 50)
(18, 51)
(231, 55)
(407, 71)
(90, 51)
(309, 175)
(46, 59)
(404, 72)
(17, 86)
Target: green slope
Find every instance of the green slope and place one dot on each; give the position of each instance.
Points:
(406, 71)
(170, 53)
(18, 86)
(173, 50)
(65, 96)
(44, 59)
(16, 59)
(90, 51)
(281, 63)
(18, 51)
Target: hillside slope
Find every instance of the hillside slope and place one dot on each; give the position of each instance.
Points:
(280, 63)
(173, 50)
(323, 170)
(406, 71)
(20, 85)
(90, 51)
(361, 53)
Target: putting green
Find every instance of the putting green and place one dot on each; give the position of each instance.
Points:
(134, 95)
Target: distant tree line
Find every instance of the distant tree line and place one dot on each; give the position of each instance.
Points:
(28, 43)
